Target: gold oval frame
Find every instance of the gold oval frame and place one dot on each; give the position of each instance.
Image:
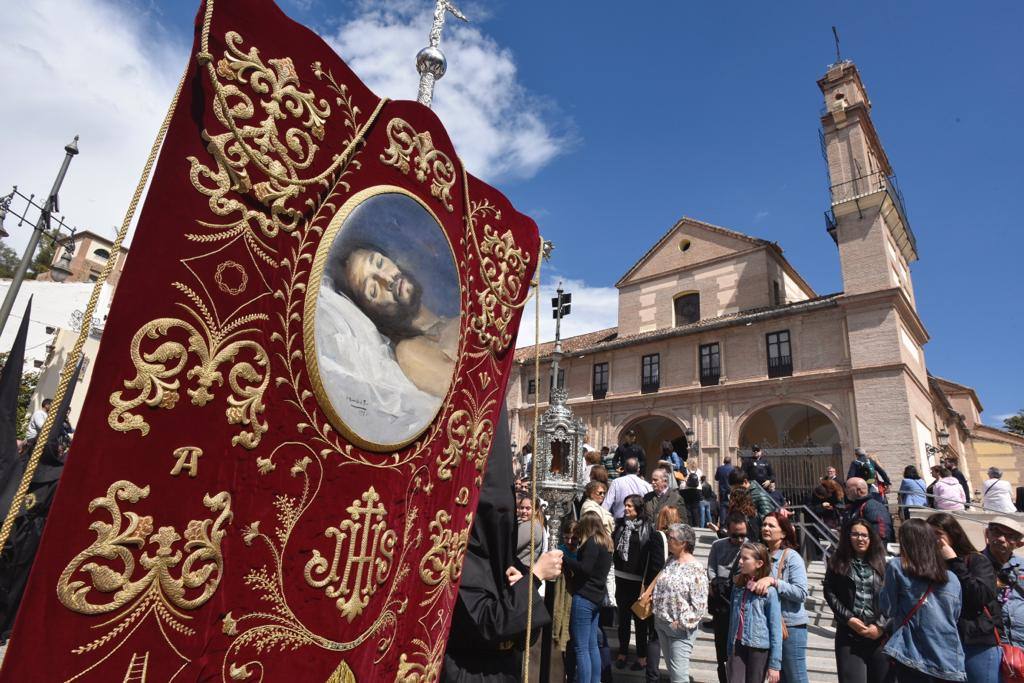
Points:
(309, 311)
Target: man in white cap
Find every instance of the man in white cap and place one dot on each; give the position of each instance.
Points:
(1002, 537)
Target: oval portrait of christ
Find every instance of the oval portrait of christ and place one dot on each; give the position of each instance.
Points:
(384, 298)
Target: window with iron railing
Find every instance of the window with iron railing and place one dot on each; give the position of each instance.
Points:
(650, 374)
(780, 355)
(600, 384)
(710, 364)
(531, 387)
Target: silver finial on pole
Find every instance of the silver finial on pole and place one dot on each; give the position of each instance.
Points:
(430, 61)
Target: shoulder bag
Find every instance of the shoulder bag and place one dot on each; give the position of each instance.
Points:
(643, 607)
(1012, 665)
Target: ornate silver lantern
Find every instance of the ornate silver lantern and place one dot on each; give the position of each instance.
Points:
(560, 438)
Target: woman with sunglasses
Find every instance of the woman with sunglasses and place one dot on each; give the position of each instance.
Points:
(632, 535)
(853, 581)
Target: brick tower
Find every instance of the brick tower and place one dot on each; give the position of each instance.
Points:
(867, 220)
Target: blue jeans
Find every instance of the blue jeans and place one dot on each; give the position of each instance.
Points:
(981, 662)
(794, 656)
(677, 647)
(583, 630)
(705, 513)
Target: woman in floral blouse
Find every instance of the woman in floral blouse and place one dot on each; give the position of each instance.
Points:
(680, 602)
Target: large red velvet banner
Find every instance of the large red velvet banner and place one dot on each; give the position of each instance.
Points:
(278, 462)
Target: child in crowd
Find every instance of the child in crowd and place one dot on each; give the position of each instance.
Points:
(755, 622)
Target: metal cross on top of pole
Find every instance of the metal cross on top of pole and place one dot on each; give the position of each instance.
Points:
(430, 61)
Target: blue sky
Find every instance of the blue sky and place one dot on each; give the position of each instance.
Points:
(608, 122)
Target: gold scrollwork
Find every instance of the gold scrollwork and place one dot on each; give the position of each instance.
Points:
(441, 566)
(503, 272)
(404, 142)
(121, 541)
(469, 435)
(157, 371)
(368, 547)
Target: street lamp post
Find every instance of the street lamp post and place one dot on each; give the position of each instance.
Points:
(42, 224)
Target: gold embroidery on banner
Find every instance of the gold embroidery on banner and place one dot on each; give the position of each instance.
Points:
(441, 567)
(503, 271)
(187, 459)
(201, 568)
(157, 371)
(343, 674)
(243, 278)
(158, 592)
(367, 546)
(469, 435)
(283, 155)
(277, 626)
(404, 142)
(462, 498)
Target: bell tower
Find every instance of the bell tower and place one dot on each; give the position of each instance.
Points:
(868, 221)
(867, 218)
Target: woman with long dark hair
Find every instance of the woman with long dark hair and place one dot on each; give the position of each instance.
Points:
(980, 609)
(588, 573)
(789, 577)
(922, 600)
(632, 536)
(853, 581)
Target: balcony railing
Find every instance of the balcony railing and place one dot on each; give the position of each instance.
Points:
(600, 392)
(780, 366)
(709, 378)
(649, 386)
(869, 184)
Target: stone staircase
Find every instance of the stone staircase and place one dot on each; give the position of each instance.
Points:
(821, 662)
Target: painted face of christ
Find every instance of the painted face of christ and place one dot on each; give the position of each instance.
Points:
(388, 295)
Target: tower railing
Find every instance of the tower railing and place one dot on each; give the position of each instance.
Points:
(868, 184)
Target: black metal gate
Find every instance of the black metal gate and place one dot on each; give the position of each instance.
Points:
(799, 470)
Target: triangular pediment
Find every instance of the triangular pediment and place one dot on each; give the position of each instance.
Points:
(689, 243)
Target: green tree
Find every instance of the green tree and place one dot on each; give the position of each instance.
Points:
(1015, 423)
(29, 380)
(44, 255)
(8, 261)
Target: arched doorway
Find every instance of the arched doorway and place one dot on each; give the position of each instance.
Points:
(800, 441)
(651, 431)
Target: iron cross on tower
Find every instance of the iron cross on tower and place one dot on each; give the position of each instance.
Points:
(430, 61)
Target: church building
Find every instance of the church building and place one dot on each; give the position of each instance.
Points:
(721, 344)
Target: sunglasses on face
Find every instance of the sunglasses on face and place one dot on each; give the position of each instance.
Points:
(858, 534)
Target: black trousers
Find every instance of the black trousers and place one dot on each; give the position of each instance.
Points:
(720, 625)
(904, 674)
(859, 660)
(626, 593)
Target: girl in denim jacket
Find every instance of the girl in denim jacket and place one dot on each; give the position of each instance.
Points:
(755, 622)
(922, 600)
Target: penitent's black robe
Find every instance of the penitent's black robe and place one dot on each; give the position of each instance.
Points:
(489, 624)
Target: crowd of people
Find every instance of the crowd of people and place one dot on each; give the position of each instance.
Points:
(939, 609)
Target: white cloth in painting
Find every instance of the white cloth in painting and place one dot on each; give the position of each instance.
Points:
(363, 381)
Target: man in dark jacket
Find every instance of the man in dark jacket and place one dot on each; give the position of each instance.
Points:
(758, 468)
(663, 495)
(629, 449)
(722, 477)
(860, 505)
(869, 470)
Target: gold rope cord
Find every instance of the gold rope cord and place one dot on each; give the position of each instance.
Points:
(533, 457)
(90, 310)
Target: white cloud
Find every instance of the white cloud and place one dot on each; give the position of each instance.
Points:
(85, 67)
(593, 308)
(500, 130)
